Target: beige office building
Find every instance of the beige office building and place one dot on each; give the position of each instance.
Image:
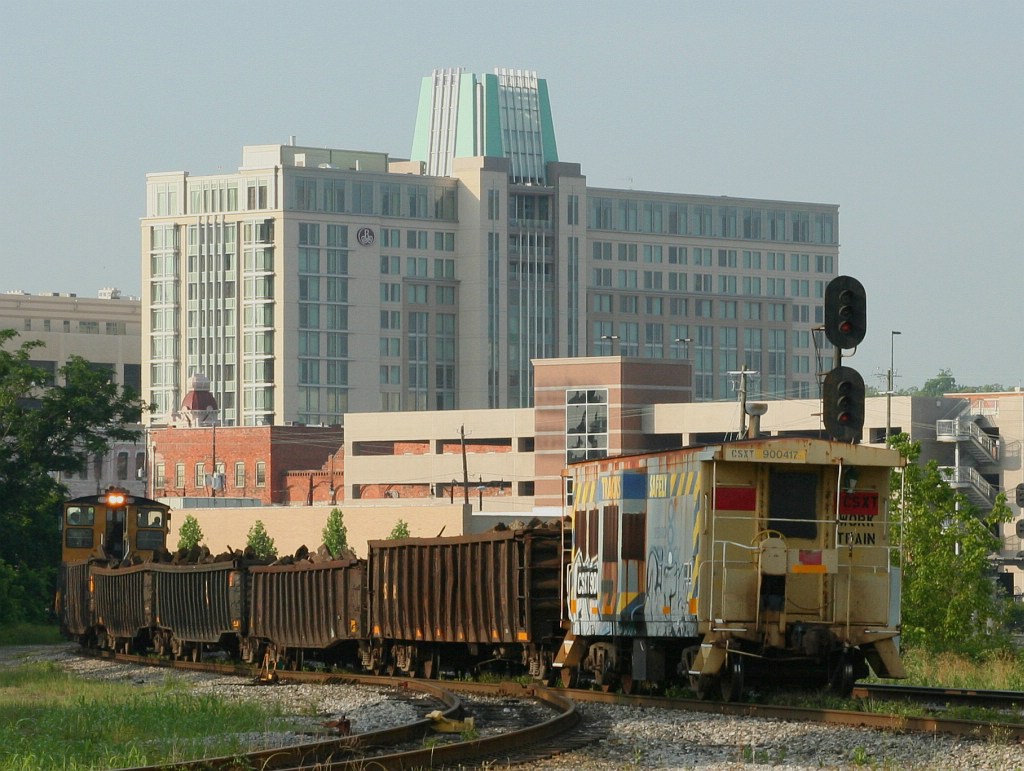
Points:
(312, 282)
(104, 330)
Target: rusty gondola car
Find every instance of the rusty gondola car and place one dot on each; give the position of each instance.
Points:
(463, 601)
(199, 606)
(123, 605)
(306, 608)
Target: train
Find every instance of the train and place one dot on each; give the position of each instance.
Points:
(716, 566)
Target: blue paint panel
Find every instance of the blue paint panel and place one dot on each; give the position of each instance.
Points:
(634, 486)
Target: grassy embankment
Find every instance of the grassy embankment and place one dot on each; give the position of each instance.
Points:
(50, 719)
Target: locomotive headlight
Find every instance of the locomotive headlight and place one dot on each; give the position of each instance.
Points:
(115, 498)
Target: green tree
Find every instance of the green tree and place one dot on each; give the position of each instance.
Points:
(48, 427)
(400, 530)
(950, 602)
(260, 542)
(335, 534)
(190, 534)
(942, 383)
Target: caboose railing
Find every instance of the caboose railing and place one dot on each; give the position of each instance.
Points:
(730, 556)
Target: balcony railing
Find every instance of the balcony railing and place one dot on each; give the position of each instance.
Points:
(982, 447)
(968, 481)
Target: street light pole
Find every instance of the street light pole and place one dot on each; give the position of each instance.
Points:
(613, 338)
(686, 345)
(889, 386)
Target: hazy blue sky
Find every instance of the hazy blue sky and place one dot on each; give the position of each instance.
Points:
(907, 115)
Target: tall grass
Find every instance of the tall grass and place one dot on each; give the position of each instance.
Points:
(30, 634)
(995, 672)
(52, 720)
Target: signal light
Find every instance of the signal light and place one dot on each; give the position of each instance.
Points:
(843, 413)
(846, 317)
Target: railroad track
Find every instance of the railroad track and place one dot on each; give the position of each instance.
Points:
(975, 728)
(567, 730)
(416, 744)
(925, 695)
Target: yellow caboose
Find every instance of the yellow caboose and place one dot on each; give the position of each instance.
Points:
(762, 556)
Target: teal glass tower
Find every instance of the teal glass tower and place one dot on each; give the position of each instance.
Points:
(503, 115)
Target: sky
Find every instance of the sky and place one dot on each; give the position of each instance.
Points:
(908, 115)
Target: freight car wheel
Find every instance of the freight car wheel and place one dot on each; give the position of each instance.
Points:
(843, 677)
(606, 681)
(731, 679)
(431, 666)
(627, 684)
(569, 677)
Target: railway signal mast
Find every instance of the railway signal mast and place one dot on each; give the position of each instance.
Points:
(846, 324)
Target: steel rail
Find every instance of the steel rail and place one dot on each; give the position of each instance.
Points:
(977, 728)
(352, 753)
(972, 697)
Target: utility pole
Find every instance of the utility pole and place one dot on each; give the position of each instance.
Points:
(465, 469)
(743, 372)
(213, 477)
(889, 384)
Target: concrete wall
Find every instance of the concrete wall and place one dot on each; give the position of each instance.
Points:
(295, 526)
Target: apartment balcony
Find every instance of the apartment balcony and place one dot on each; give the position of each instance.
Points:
(971, 484)
(981, 447)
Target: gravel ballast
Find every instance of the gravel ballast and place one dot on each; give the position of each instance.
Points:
(633, 738)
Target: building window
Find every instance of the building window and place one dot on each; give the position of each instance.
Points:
(586, 424)
(200, 475)
(573, 210)
(261, 473)
(179, 475)
(240, 474)
(159, 480)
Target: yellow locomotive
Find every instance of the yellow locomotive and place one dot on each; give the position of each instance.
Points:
(103, 529)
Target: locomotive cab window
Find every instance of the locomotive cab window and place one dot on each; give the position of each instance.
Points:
(151, 518)
(150, 533)
(78, 538)
(792, 503)
(80, 515)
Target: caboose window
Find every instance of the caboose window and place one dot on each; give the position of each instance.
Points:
(610, 536)
(581, 531)
(633, 540)
(592, 533)
(792, 504)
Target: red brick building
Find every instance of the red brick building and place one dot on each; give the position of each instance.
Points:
(275, 464)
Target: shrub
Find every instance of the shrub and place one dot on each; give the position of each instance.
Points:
(190, 533)
(260, 542)
(335, 533)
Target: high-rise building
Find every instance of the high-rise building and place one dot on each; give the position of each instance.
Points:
(314, 282)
